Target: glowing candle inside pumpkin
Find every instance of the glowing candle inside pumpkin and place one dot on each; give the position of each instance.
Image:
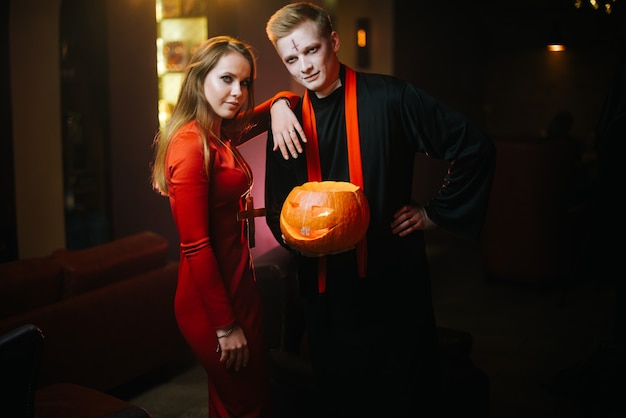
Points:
(324, 217)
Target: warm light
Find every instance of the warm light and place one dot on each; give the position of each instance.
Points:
(556, 48)
(363, 49)
(361, 38)
(606, 6)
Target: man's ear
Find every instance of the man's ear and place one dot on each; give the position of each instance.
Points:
(334, 41)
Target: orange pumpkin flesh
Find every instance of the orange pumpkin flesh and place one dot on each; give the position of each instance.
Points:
(324, 217)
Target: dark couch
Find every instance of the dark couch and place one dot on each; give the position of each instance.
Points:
(106, 312)
(537, 213)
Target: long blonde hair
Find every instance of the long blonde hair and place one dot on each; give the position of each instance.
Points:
(193, 105)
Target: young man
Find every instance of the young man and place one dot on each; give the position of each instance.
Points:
(369, 312)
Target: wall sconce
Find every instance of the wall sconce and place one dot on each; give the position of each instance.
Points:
(363, 42)
(555, 47)
(556, 38)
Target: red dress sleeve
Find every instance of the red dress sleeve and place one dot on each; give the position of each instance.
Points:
(189, 199)
(261, 114)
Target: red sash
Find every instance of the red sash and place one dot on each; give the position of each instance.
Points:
(354, 160)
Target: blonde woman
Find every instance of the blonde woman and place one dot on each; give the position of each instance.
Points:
(198, 167)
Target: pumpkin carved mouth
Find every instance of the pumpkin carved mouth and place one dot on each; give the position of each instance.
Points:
(305, 231)
(324, 217)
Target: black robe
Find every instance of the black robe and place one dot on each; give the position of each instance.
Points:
(373, 340)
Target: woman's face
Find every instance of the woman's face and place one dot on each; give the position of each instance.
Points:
(226, 85)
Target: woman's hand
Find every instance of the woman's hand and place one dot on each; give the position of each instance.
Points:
(411, 218)
(286, 129)
(234, 348)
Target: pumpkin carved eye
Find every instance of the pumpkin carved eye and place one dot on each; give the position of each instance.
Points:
(319, 211)
(324, 217)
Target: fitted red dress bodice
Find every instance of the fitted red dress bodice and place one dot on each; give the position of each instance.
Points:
(216, 278)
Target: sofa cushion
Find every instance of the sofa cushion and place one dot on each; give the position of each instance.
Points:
(107, 263)
(71, 400)
(28, 284)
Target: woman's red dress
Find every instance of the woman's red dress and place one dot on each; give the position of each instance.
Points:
(216, 279)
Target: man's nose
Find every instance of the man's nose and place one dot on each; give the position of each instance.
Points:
(305, 65)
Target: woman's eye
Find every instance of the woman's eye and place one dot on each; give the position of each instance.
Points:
(245, 83)
(227, 78)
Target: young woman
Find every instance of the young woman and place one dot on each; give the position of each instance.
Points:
(198, 167)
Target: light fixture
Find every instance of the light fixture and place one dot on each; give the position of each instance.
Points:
(556, 44)
(556, 38)
(605, 6)
(555, 47)
(363, 42)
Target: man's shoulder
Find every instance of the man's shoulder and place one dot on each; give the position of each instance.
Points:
(377, 83)
(380, 77)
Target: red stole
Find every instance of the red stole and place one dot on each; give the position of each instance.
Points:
(354, 160)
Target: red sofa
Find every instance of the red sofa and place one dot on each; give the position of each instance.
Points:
(532, 229)
(106, 312)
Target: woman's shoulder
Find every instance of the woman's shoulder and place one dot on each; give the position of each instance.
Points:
(191, 128)
(187, 139)
(188, 132)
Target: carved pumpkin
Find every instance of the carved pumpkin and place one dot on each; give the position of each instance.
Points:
(324, 217)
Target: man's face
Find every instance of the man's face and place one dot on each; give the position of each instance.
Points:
(310, 58)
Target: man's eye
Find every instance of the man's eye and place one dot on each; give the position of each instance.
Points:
(312, 51)
(291, 60)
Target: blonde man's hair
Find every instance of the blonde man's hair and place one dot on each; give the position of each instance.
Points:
(287, 18)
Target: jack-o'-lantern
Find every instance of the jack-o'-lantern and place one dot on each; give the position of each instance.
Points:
(324, 217)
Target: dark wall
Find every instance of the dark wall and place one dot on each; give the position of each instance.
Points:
(8, 226)
(442, 47)
(487, 58)
(85, 122)
(133, 98)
